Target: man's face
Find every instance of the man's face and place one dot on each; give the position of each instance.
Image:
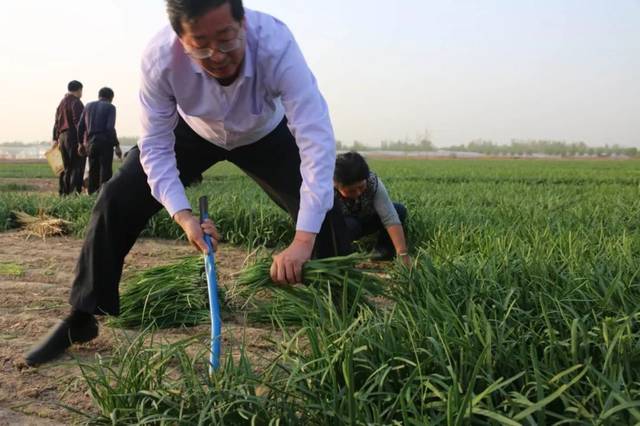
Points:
(212, 30)
(352, 191)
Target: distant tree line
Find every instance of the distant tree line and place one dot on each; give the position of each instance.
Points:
(487, 147)
(127, 140)
(516, 148)
(547, 147)
(422, 142)
(400, 145)
(19, 144)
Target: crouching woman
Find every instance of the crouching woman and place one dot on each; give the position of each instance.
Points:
(368, 209)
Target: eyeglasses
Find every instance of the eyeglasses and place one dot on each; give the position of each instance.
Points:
(223, 47)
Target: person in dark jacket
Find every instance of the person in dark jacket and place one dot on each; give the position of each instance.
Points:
(97, 132)
(66, 135)
(367, 207)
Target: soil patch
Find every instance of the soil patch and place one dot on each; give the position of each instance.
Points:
(35, 287)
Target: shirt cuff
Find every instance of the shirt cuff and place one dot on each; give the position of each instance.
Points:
(176, 202)
(309, 221)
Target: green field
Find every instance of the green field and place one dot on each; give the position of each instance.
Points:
(450, 201)
(523, 307)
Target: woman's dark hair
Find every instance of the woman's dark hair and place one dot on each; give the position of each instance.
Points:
(74, 85)
(179, 10)
(106, 93)
(351, 168)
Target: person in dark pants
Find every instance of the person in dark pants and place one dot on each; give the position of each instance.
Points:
(65, 133)
(221, 83)
(97, 132)
(368, 209)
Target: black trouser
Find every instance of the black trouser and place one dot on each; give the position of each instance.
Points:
(358, 227)
(100, 151)
(71, 178)
(125, 204)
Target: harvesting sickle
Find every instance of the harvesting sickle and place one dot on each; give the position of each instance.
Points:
(212, 286)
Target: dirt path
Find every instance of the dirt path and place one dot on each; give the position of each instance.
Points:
(31, 184)
(35, 279)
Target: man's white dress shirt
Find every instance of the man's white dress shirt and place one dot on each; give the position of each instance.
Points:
(274, 80)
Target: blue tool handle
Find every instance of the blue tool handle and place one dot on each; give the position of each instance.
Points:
(212, 285)
(204, 214)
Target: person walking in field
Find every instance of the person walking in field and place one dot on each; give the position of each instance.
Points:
(368, 209)
(66, 135)
(220, 83)
(97, 132)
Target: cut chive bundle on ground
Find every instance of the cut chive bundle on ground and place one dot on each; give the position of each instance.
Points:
(165, 296)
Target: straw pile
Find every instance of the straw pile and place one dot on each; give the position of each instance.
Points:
(42, 225)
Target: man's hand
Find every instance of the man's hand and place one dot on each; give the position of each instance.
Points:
(405, 259)
(195, 231)
(82, 150)
(287, 265)
(118, 152)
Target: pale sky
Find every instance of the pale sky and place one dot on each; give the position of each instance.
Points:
(461, 70)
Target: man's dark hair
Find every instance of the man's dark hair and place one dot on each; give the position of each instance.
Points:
(106, 93)
(74, 85)
(351, 168)
(180, 10)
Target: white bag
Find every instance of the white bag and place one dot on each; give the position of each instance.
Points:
(54, 157)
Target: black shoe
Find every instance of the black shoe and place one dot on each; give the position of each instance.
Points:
(61, 336)
(382, 254)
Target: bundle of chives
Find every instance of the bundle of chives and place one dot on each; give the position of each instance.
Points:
(339, 276)
(165, 296)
